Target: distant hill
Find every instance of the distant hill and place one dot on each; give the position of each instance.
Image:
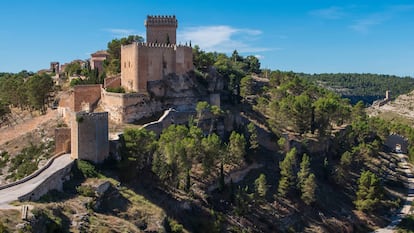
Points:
(365, 87)
(399, 110)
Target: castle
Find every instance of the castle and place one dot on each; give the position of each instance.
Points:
(158, 57)
(149, 71)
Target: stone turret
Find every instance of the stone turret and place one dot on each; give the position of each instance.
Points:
(161, 29)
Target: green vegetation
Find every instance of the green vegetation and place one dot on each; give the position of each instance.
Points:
(24, 90)
(406, 225)
(261, 185)
(116, 89)
(26, 162)
(86, 169)
(367, 87)
(288, 177)
(369, 192)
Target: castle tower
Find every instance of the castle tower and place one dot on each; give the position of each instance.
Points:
(161, 29)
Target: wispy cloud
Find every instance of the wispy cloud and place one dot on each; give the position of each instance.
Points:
(223, 38)
(332, 12)
(364, 24)
(120, 32)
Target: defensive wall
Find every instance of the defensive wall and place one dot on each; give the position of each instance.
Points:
(62, 140)
(85, 97)
(170, 116)
(128, 107)
(143, 62)
(89, 136)
(112, 82)
(32, 187)
(52, 182)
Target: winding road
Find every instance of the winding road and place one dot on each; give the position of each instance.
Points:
(12, 193)
(406, 208)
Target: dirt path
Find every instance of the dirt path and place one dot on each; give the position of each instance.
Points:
(406, 208)
(12, 132)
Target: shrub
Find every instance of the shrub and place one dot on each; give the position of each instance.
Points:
(86, 169)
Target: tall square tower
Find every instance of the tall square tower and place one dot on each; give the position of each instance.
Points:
(161, 29)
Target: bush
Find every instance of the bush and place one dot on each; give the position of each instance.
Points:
(115, 89)
(86, 169)
(86, 191)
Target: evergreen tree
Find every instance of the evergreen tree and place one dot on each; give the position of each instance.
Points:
(369, 192)
(308, 189)
(287, 173)
(304, 171)
(261, 185)
(236, 147)
(253, 141)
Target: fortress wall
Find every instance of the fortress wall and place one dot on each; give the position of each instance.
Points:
(62, 140)
(184, 59)
(90, 136)
(129, 67)
(127, 107)
(54, 181)
(85, 94)
(112, 82)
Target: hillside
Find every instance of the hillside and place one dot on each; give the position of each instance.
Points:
(365, 87)
(400, 109)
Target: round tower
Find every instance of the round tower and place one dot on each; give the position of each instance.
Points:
(161, 29)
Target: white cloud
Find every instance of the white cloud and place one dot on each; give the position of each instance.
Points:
(223, 38)
(364, 24)
(329, 13)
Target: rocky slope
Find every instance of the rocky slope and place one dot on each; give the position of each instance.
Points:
(400, 108)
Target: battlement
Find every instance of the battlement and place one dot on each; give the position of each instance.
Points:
(155, 45)
(91, 116)
(158, 20)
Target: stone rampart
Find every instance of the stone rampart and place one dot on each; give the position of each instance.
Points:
(53, 182)
(112, 82)
(128, 107)
(85, 96)
(62, 140)
(170, 116)
(89, 136)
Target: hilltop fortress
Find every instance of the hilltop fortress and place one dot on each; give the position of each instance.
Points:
(158, 57)
(157, 75)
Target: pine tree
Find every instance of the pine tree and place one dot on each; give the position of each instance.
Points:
(304, 172)
(261, 185)
(308, 189)
(287, 174)
(369, 192)
(254, 144)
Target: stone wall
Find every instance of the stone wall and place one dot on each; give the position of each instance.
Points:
(128, 107)
(62, 140)
(53, 182)
(89, 136)
(112, 82)
(142, 62)
(169, 117)
(85, 96)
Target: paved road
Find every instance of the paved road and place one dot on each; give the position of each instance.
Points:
(12, 193)
(408, 201)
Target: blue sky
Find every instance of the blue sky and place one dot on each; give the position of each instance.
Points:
(302, 36)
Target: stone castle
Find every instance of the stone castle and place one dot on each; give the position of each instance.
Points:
(158, 57)
(156, 77)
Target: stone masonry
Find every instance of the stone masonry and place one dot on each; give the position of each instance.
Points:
(89, 136)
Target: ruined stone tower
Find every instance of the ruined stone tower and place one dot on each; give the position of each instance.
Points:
(161, 29)
(158, 57)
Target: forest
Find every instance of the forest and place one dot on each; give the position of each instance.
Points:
(366, 87)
